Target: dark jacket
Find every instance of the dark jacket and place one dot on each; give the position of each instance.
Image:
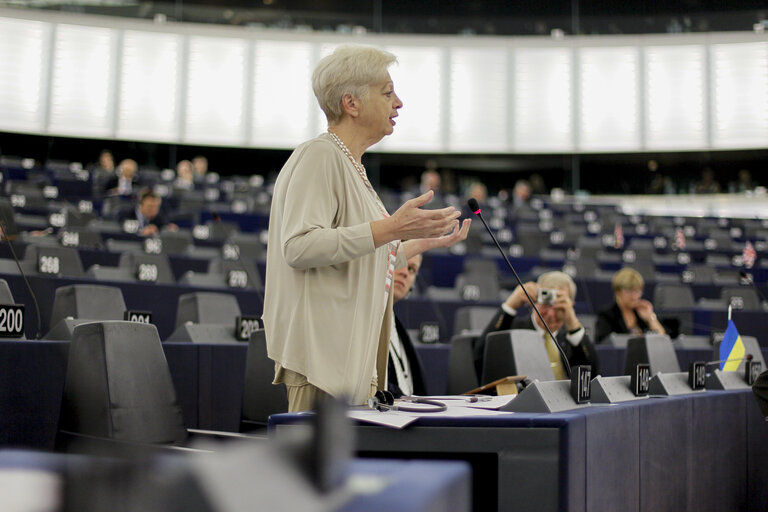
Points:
(413, 360)
(129, 213)
(611, 320)
(582, 354)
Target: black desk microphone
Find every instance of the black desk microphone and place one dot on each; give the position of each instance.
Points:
(475, 207)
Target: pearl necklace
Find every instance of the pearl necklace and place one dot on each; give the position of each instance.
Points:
(360, 168)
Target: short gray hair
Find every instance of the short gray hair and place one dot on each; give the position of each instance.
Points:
(348, 70)
(556, 279)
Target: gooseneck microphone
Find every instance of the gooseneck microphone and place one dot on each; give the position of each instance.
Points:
(475, 207)
(747, 357)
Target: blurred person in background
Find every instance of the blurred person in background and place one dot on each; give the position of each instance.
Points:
(185, 178)
(123, 181)
(404, 371)
(200, 166)
(147, 211)
(707, 184)
(555, 304)
(629, 313)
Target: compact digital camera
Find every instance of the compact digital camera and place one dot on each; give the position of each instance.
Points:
(546, 296)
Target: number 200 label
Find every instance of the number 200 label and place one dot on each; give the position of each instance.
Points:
(11, 320)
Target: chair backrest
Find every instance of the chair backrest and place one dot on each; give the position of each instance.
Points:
(89, 301)
(220, 230)
(249, 245)
(6, 297)
(516, 352)
(667, 295)
(62, 261)
(224, 267)
(741, 297)
(118, 385)
(474, 287)
(202, 279)
(480, 266)
(175, 242)
(653, 349)
(158, 263)
(462, 376)
(702, 273)
(472, 318)
(261, 398)
(80, 236)
(589, 322)
(207, 308)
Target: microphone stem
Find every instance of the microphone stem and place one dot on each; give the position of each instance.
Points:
(566, 364)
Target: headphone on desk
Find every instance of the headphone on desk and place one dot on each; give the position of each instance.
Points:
(384, 401)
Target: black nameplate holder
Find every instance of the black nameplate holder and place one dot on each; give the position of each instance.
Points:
(429, 332)
(142, 317)
(546, 396)
(697, 375)
(670, 384)
(641, 379)
(581, 380)
(11, 320)
(246, 325)
(752, 370)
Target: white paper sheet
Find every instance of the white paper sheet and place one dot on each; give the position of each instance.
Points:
(456, 409)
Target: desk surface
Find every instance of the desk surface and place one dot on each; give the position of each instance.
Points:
(694, 452)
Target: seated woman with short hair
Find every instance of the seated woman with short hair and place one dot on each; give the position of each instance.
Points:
(630, 313)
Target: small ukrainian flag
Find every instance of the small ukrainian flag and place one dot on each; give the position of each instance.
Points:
(731, 348)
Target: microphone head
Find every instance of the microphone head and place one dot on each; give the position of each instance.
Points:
(474, 205)
(748, 357)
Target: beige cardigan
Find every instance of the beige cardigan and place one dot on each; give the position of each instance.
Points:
(327, 311)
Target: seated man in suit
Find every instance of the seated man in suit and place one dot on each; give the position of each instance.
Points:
(404, 372)
(554, 293)
(147, 212)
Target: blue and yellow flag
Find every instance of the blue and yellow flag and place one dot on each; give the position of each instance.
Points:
(731, 348)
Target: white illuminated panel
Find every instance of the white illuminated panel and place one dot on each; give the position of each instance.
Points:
(418, 80)
(608, 116)
(80, 92)
(282, 94)
(215, 91)
(478, 106)
(739, 78)
(542, 118)
(674, 97)
(148, 86)
(23, 59)
(321, 123)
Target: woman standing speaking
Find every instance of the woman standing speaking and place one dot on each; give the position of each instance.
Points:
(333, 247)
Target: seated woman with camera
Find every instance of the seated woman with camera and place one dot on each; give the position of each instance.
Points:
(554, 293)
